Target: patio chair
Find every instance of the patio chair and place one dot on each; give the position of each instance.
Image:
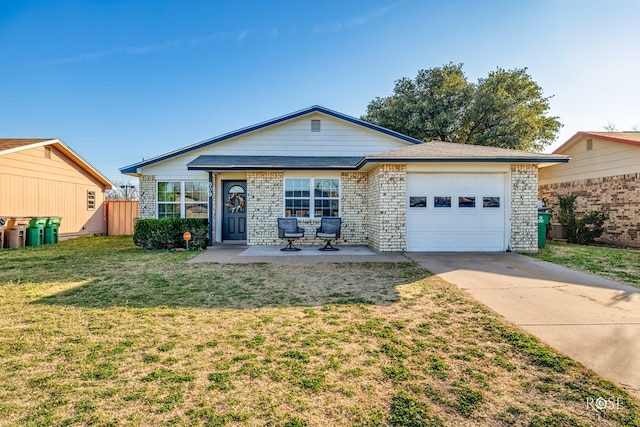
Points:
(288, 229)
(329, 229)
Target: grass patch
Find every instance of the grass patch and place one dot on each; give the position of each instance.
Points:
(616, 264)
(97, 332)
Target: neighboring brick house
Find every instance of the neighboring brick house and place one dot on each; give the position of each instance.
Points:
(393, 192)
(604, 174)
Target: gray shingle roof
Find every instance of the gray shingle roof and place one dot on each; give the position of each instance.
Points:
(451, 151)
(272, 162)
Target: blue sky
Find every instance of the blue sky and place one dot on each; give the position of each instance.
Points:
(120, 80)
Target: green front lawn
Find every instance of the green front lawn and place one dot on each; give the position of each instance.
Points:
(97, 332)
(615, 264)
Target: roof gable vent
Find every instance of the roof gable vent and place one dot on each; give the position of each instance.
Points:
(315, 125)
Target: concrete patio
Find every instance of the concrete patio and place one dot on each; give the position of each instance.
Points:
(242, 254)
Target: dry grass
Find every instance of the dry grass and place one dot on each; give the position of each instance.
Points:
(147, 339)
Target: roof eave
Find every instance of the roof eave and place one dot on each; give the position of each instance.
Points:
(86, 166)
(579, 135)
(466, 160)
(29, 146)
(266, 167)
(67, 151)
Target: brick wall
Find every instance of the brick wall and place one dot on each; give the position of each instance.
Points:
(353, 202)
(147, 196)
(524, 213)
(264, 207)
(386, 221)
(618, 196)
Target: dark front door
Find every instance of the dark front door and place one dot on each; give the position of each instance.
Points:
(234, 213)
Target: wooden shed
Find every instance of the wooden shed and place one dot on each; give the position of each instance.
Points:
(45, 178)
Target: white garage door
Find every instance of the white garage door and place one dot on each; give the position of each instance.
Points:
(456, 212)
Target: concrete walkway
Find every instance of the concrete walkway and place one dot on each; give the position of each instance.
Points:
(592, 320)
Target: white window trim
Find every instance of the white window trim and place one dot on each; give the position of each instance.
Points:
(182, 202)
(312, 180)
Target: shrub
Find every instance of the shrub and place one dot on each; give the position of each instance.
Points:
(582, 231)
(589, 227)
(167, 233)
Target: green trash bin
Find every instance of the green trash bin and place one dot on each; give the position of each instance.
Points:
(51, 229)
(543, 220)
(35, 231)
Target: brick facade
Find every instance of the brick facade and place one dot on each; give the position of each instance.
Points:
(524, 214)
(264, 207)
(373, 208)
(354, 209)
(147, 196)
(618, 196)
(387, 219)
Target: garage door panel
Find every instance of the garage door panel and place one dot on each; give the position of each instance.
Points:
(466, 222)
(457, 228)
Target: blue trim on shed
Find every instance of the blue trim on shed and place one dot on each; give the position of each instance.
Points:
(313, 109)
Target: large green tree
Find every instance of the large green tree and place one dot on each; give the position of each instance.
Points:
(506, 109)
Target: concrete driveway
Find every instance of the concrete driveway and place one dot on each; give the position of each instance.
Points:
(593, 320)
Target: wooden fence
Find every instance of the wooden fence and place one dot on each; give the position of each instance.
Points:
(121, 216)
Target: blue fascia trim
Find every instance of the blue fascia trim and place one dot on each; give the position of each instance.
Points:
(278, 168)
(316, 108)
(464, 160)
(129, 169)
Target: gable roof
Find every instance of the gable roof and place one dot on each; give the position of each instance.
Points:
(439, 151)
(13, 145)
(132, 169)
(632, 138)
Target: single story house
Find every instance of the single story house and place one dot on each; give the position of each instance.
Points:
(46, 178)
(393, 192)
(604, 174)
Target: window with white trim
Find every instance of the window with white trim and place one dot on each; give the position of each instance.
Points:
(311, 197)
(183, 199)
